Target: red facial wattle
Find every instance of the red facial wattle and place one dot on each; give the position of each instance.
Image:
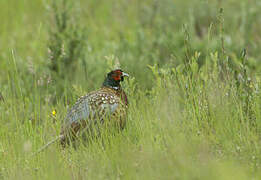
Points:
(117, 78)
(117, 75)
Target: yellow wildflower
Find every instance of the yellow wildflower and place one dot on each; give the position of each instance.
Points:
(54, 112)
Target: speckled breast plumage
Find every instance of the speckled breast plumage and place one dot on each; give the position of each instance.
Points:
(105, 104)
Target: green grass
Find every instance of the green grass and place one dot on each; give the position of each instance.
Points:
(195, 105)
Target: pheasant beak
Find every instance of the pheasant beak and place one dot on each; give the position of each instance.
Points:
(125, 74)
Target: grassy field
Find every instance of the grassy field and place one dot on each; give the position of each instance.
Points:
(194, 91)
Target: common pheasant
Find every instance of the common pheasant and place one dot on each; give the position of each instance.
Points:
(109, 103)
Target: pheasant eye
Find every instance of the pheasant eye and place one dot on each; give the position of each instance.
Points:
(118, 72)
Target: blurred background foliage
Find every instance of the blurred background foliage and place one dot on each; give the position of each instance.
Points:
(137, 32)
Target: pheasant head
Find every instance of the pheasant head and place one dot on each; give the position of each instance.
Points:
(114, 78)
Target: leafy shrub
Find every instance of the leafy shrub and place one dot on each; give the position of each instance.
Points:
(67, 43)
